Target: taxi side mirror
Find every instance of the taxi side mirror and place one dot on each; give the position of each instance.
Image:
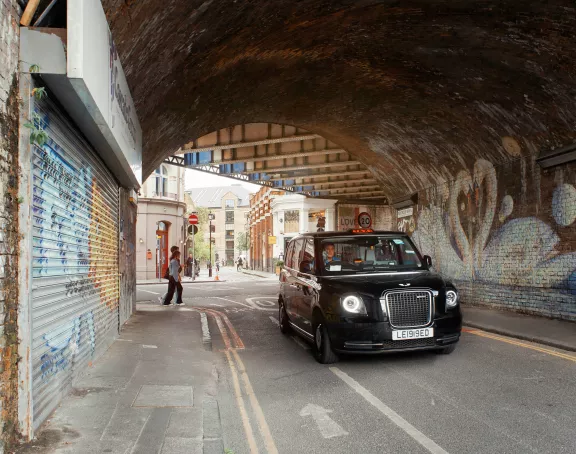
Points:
(428, 261)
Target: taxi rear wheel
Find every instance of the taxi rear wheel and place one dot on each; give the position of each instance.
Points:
(322, 347)
(283, 319)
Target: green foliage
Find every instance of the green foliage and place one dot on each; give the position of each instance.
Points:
(34, 69)
(39, 93)
(37, 134)
(280, 263)
(201, 246)
(242, 242)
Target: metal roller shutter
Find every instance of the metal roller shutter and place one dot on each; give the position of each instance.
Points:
(75, 276)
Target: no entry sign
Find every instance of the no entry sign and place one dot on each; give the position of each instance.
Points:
(364, 220)
(192, 219)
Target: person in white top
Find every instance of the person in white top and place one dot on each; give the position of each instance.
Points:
(174, 281)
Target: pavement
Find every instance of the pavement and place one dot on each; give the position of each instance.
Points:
(153, 391)
(555, 333)
(233, 383)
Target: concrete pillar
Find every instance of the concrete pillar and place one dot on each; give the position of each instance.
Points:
(330, 219)
(304, 220)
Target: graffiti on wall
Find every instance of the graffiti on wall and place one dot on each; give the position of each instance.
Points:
(75, 258)
(469, 229)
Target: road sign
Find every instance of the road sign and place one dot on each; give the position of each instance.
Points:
(192, 219)
(211, 217)
(365, 220)
(192, 229)
(271, 240)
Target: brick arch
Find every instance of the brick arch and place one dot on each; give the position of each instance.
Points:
(449, 101)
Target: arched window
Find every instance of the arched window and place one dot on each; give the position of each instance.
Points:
(161, 174)
(162, 227)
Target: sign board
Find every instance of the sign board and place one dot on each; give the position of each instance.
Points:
(406, 212)
(192, 219)
(192, 229)
(271, 240)
(211, 217)
(96, 74)
(382, 216)
(364, 220)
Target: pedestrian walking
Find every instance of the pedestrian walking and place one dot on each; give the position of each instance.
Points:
(189, 265)
(217, 266)
(239, 264)
(174, 281)
(162, 298)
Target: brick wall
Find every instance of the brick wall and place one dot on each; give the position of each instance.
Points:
(506, 235)
(9, 34)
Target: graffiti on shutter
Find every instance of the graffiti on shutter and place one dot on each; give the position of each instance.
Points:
(75, 281)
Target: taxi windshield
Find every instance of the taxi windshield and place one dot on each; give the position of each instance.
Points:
(368, 254)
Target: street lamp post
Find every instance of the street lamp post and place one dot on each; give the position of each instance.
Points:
(210, 218)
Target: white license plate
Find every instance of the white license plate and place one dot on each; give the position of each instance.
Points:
(403, 334)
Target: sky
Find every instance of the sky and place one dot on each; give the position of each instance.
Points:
(197, 179)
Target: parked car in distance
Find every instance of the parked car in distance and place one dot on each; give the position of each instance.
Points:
(364, 291)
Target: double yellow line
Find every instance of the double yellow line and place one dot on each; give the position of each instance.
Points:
(233, 343)
(520, 344)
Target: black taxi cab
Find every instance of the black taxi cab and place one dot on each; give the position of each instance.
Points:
(365, 291)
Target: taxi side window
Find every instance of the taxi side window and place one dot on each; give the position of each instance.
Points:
(289, 254)
(297, 255)
(307, 262)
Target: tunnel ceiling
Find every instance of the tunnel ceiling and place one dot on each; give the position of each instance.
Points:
(415, 90)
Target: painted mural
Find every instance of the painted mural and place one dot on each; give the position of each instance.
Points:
(489, 234)
(74, 259)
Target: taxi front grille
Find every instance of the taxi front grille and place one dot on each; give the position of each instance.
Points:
(410, 343)
(409, 309)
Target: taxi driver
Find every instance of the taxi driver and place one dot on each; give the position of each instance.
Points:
(329, 253)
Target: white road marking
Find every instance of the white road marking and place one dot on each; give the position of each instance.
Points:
(205, 329)
(232, 301)
(265, 301)
(148, 291)
(124, 340)
(149, 346)
(301, 343)
(327, 426)
(418, 436)
(274, 320)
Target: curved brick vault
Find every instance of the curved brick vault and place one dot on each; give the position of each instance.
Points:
(416, 89)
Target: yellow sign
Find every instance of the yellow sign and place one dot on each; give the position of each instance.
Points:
(271, 240)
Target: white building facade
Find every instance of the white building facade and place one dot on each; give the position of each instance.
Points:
(161, 221)
(293, 214)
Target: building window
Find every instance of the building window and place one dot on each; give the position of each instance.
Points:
(162, 226)
(230, 203)
(161, 174)
(230, 245)
(229, 217)
(291, 221)
(229, 234)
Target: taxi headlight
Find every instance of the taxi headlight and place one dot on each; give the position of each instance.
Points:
(353, 304)
(451, 298)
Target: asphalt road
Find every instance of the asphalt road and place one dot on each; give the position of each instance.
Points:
(492, 394)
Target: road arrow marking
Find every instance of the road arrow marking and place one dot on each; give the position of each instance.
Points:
(328, 428)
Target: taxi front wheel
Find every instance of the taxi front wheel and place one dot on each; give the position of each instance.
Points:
(283, 319)
(322, 346)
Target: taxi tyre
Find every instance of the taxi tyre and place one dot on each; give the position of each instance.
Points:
(446, 350)
(283, 320)
(322, 347)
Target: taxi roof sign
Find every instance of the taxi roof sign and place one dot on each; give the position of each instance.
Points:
(361, 231)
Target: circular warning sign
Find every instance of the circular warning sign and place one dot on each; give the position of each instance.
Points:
(364, 220)
(192, 219)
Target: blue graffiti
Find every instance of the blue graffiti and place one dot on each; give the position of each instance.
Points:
(62, 354)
